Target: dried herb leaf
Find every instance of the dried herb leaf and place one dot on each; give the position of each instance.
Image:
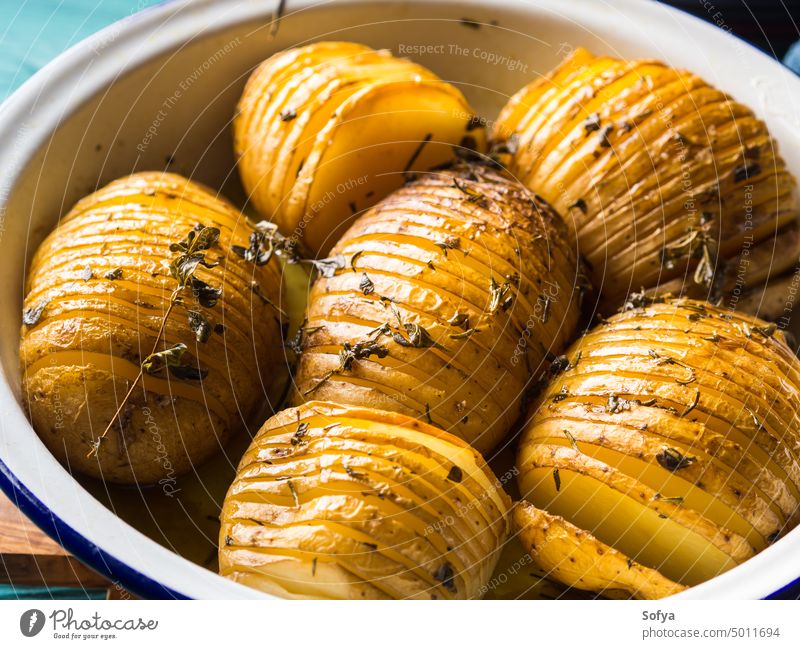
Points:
(579, 204)
(199, 325)
(446, 576)
(449, 243)
(328, 267)
(673, 460)
(31, 316)
(499, 296)
(206, 295)
(464, 334)
(592, 123)
(114, 274)
(418, 337)
(172, 358)
(297, 436)
(366, 284)
(459, 320)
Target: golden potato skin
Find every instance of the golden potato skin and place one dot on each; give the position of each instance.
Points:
(474, 264)
(657, 173)
(341, 502)
(326, 130)
(682, 417)
(575, 557)
(103, 280)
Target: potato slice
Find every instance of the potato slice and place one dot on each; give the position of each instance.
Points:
(671, 436)
(441, 302)
(336, 501)
(97, 292)
(576, 558)
(327, 130)
(664, 179)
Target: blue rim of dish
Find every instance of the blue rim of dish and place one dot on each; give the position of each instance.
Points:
(115, 569)
(74, 542)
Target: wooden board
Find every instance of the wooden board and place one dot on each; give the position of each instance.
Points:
(28, 557)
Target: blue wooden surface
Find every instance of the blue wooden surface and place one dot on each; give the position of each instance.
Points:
(32, 32)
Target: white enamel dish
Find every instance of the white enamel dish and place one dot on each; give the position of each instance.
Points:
(162, 85)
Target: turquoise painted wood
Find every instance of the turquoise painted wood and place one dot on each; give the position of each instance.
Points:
(32, 32)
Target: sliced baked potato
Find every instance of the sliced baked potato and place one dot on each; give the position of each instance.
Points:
(672, 437)
(97, 314)
(341, 502)
(324, 131)
(441, 302)
(575, 557)
(666, 181)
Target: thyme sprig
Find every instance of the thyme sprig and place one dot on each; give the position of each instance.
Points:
(405, 334)
(191, 256)
(696, 244)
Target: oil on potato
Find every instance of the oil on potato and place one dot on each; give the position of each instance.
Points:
(671, 437)
(441, 302)
(666, 181)
(97, 292)
(326, 130)
(341, 502)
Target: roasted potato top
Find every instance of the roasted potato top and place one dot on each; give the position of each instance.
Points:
(336, 501)
(97, 293)
(665, 180)
(672, 436)
(326, 130)
(441, 302)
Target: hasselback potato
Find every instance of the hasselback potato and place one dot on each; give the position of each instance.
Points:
(98, 293)
(672, 436)
(666, 181)
(342, 502)
(326, 130)
(441, 302)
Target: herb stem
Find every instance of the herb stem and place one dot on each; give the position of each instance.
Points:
(172, 302)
